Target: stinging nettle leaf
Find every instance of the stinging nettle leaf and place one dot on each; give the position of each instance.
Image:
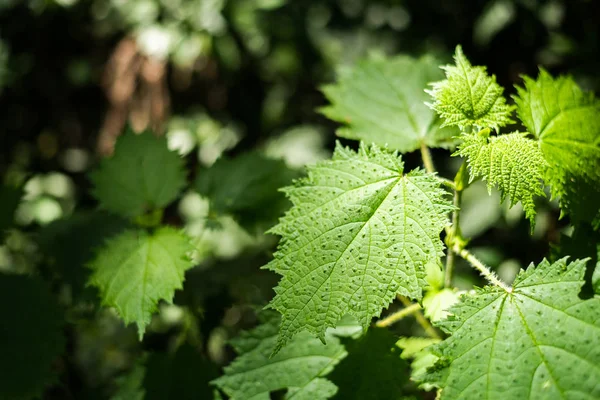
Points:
(565, 121)
(299, 367)
(469, 97)
(360, 232)
(135, 270)
(512, 162)
(141, 175)
(539, 341)
(382, 102)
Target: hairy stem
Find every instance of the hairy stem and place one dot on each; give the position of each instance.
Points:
(421, 319)
(426, 156)
(398, 315)
(482, 268)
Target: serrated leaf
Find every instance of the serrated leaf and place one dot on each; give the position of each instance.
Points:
(436, 303)
(469, 97)
(565, 121)
(298, 368)
(141, 175)
(372, 369)
(382, 102)
(135, 270)
(539, 341)
(360, 232)
(31, 337)
(247, 187)
(512, 162)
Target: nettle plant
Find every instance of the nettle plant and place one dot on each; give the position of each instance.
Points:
(362, 231)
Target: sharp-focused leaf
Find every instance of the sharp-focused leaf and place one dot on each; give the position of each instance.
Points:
(30, 337)
(247, 187)
(373, 368)
(512, 162)
(382, 102)
(135, 270)
(537, 342)
(9, 201)
(298, 368)
(360, 232)
(565, 121)
(70, 243)
(141, 175)
(183, 375)
(469, 97)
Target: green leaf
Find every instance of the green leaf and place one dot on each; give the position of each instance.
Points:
(360, 232)
(372, 369)
(247, 187)
(512, 162)
(31, 337)
(183, 375)
(565, 121)
(382, 101)
(300, 367)
(141, 175)
(538, 341)
(135, 270)
(469, 97)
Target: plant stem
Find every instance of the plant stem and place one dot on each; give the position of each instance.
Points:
(426, 156)
(455, 232)
(482, 268)
(421, 319)
(398, 315)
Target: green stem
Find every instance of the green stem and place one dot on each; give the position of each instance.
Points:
(427, 160)
(481, 267)
(398, 315)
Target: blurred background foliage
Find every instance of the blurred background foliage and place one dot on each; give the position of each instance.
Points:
(234, 85)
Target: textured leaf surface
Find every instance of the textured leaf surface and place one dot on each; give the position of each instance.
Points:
(360, 231)
(30, 337)
(538, 342)
(135, 270)
(247, 187)
(469, 96)
(141, 175)
(299, 367)
(373, 368)
(512, 162)
(382, 102)
(584, 242)
(565, 121)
